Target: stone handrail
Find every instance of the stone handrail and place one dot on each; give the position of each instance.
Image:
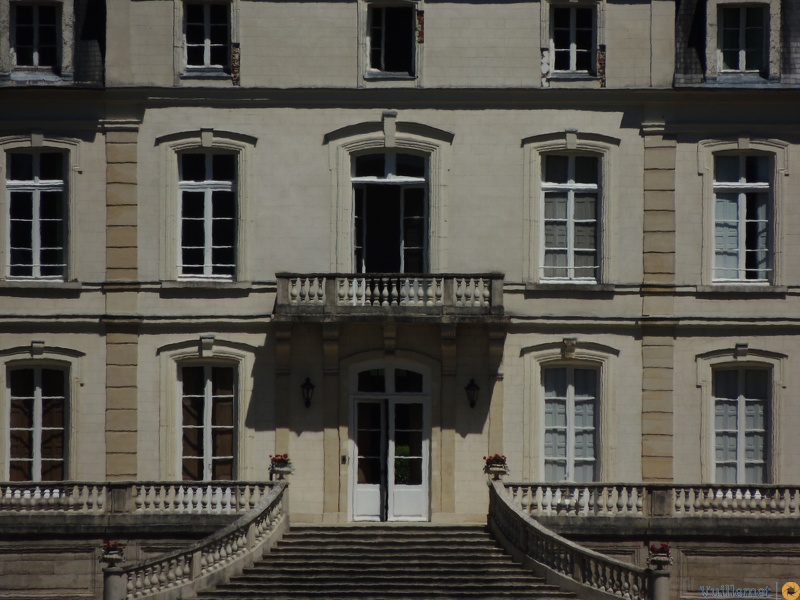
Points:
(88, 498)
(654, 500)
(225, 553)
(577, 499)
(737, 501)
(566, 563)
(455, 291)
(91, 498)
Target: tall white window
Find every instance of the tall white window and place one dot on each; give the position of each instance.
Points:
(742, 206)
(35, 40)
(36, 190)
(391, 40)
(573, 39)
(207, 35)
(37, 423)
(741, 421)
(208, 215)
(207, 424)
(570, 409)
(742, 39)
(571, 201)
(391, 213)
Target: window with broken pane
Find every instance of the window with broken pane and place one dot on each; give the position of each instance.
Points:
(208, 208)
(571, 204)
(391, 39)
(742, 208)
(207, 35)
(742, 38)
(37, 423)
(36, 36)
(573, 39)
(36, 190)
(390, 198)
(207, 422)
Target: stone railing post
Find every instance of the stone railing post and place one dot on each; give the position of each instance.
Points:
(120, 498)
(661, 503)
(659, 583)
(114, 587)
(330, 290)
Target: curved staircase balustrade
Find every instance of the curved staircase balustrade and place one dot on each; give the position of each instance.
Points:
(181, 573)
(569, 565)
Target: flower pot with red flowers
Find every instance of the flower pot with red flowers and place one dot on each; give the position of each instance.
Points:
(280, 466)
(112, 553)
(495, 466)
(659, 556)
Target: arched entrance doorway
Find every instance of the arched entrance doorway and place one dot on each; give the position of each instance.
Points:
(390, 442)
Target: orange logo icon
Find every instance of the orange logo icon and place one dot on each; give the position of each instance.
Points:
(790, 590)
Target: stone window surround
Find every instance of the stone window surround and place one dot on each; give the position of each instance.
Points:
(550, 78)
(370, 78)
(203, 140)
(179, 46)
(571, 142)
(773, 45)
(67, 20)
(377, 136)
(779, 152)
(205, 350)
(739, 357)
(71, 150)
(37, 354)
(583, 355)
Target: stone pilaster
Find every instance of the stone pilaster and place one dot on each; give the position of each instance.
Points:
(283, 396)
(447, 458)
(331, 419)
(497, 337)
(121, 296)
(658, 305)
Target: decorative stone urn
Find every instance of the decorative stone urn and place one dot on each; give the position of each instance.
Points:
(659, 556)
(113, 554)
(280, 473)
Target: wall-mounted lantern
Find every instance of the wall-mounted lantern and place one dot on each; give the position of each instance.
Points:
(472, 390)
(308, 391)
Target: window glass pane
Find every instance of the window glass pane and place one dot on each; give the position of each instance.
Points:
(583, 41)
(561, 17)
(20, 166)
(555, 443)
(555, 168)
(726, 473)
(409, 442)
(369, 442)
(370, 165)
(585, 383)
(756, 384)
(372, 380)
(555, 205)
(555, 235)
(53, 443)
(754, 446)
(407, 381)
(726, 168)
(555, 413)
(730, 18)
(192, 469)
(222, 412)
(583, 18)
(754, 17)
(584, 413)
(223, 167)
(21, 382)
(561, 62)
(586, 169)
(52, 383)
(51, 165)
(398, 40)
(584, 472)
(24, 14)
(218, 56)
(726, 383)
(755, 473)
(193, 167)
(585, 237)
(52, 470)
(195, 34)
(192, 442)
(555, 383)
(221, 442)
(408, 417)
(369, 470)
(585, 206)
(222, 469)
(555, 471)
(410, 165)
(21, 443)
(555, 264)
(408, 471)
(21, 414)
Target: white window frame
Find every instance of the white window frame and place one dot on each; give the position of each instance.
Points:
(207, 65)
(572, 8)
(740, 357)
(777, 150)
(577, 143)
(373, 77)
(391, 177)
(208, 187)
(742, 44)
(531, 427)
(36, 31)
(206, 426)
(377, 137)
(741, 188)
(570, 427)
(36, 186)
(571, 187)
(771, 68)
(741, 430)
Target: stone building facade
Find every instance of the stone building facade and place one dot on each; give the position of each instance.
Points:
(588, 209)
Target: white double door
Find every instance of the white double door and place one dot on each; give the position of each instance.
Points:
(390, 458)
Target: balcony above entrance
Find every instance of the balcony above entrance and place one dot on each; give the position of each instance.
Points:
(453, 297)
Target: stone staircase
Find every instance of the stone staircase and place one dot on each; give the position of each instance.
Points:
(386, 561)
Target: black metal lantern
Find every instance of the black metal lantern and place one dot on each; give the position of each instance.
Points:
(308, 391)
(472, 390)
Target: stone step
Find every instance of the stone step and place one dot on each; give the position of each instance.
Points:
(388, 577)
(502, 566)
(394, 595)
(406, 589)
(394, 549)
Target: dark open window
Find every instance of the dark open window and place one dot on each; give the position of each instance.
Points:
(390, 213)
(391, 39)
(36, 36)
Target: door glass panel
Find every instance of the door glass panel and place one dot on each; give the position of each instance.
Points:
(407, 471)
(408, 416)
(369, 440)
(372, 380)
